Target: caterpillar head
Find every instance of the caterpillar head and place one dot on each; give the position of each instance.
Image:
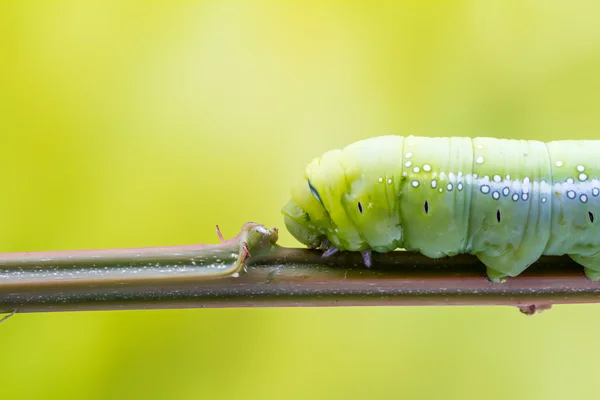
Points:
(305, 218)
(344, 203)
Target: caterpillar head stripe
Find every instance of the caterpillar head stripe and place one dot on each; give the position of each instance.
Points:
(346, 200)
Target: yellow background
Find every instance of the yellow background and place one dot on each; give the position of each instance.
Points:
(127, 124)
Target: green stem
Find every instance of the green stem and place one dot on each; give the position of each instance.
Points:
(251, 270)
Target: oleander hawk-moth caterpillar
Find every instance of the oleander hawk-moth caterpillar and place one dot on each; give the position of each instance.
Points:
(508, 202)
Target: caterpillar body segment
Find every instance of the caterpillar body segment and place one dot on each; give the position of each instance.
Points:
(508, 202)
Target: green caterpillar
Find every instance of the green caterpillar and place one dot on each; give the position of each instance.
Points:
(508, 202)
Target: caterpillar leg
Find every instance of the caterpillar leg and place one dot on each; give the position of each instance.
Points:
(591, 265)
(366, 255)
(592, 274)
(495, 276)
(329, 252)
(509, 264)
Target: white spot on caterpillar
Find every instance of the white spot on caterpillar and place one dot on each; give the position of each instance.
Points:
(515, 197)
(389, 181)
(571, 194)
(582, 177)
(479, 160)
(570, 181)
(434, 184)
(525, 196)
(485, 189)
(449, 187)
(405, 174)
(415, 183)
(496, 195)
(595, 192)
(380, 180)
(544, 187)
(416, 169)
(580, 168)
(441, 190)
(544, 199)
(526, 180)
(426, 168)
(460, 186)
(508, 177)
(479, 146)
(451, 177)
(506, 191)
(408, 155)
(497, 178)
(559, 164)
(583, 198)
(475, 176)
(460, 174)
(408, 164)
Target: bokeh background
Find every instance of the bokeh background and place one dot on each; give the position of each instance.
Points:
(128, 124)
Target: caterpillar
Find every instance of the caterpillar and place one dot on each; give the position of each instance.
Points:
(508, 202)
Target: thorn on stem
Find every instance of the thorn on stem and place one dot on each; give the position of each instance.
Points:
(532, 309)
(245, 253)
(219, 234)
(8, 316)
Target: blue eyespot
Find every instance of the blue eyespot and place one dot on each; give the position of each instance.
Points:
(314, 192)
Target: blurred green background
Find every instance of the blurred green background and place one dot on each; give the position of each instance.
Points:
(127, 124)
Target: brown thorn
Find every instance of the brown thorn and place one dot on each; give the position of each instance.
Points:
(534, 308)
(219, 234)
(8, 316)
(246, 250)
(245, 253)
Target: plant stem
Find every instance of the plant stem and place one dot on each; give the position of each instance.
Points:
(251, 270)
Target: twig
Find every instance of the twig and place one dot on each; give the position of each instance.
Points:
(251, 270)
(8, 316)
